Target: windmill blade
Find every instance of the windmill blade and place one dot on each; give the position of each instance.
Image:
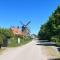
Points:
(18, 27)
(22, 23)
(28, 23)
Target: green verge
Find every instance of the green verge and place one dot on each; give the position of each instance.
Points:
(13, 42)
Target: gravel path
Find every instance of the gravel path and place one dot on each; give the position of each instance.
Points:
(30, 51)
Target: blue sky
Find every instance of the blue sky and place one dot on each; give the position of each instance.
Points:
(38, 11)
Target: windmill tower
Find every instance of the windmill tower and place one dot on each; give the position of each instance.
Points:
(25, 30)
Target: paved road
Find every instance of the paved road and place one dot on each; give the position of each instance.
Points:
(30, 51)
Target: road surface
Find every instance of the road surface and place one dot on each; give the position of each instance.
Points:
(30, 51)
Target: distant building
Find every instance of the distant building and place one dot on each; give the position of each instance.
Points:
(16, 31)
(34, 36)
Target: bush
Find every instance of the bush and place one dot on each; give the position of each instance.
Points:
(25, 40)
(54, 39)
(13, 42)
(58, 44)
(2, 37)
(1, 40)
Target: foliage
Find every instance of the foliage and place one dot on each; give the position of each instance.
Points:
(7, 37)
(54, 39)
(1, 38)
(51, 29)
(5, 34)
(13, 42)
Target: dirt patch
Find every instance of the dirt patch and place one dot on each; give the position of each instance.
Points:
(1, 51)
(51, 52)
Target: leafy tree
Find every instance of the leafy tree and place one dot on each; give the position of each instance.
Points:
(51, 29)
(2, 37)
(5, 34)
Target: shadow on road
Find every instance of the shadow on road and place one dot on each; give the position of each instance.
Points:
(43, 43)
(54, 59)
(58, 48)
(47, 43)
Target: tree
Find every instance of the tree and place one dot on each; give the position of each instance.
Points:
(5, 34)
(2, 37)
(51, 29)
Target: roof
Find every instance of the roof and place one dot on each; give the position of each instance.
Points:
(16, 31)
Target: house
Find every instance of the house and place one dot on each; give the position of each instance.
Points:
(16, 31)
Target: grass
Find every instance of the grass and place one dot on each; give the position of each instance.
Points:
(25, 41)
(50, 51)
(14, 42)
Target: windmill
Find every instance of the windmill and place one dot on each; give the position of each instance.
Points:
(25, 30)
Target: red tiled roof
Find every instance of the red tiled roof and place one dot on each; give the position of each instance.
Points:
(16, 31)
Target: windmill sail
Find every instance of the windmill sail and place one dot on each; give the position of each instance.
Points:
(25, 28)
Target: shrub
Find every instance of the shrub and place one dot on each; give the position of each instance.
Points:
(54, 39)
(58, 44)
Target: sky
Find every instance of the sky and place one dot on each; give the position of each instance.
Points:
(36, 11)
